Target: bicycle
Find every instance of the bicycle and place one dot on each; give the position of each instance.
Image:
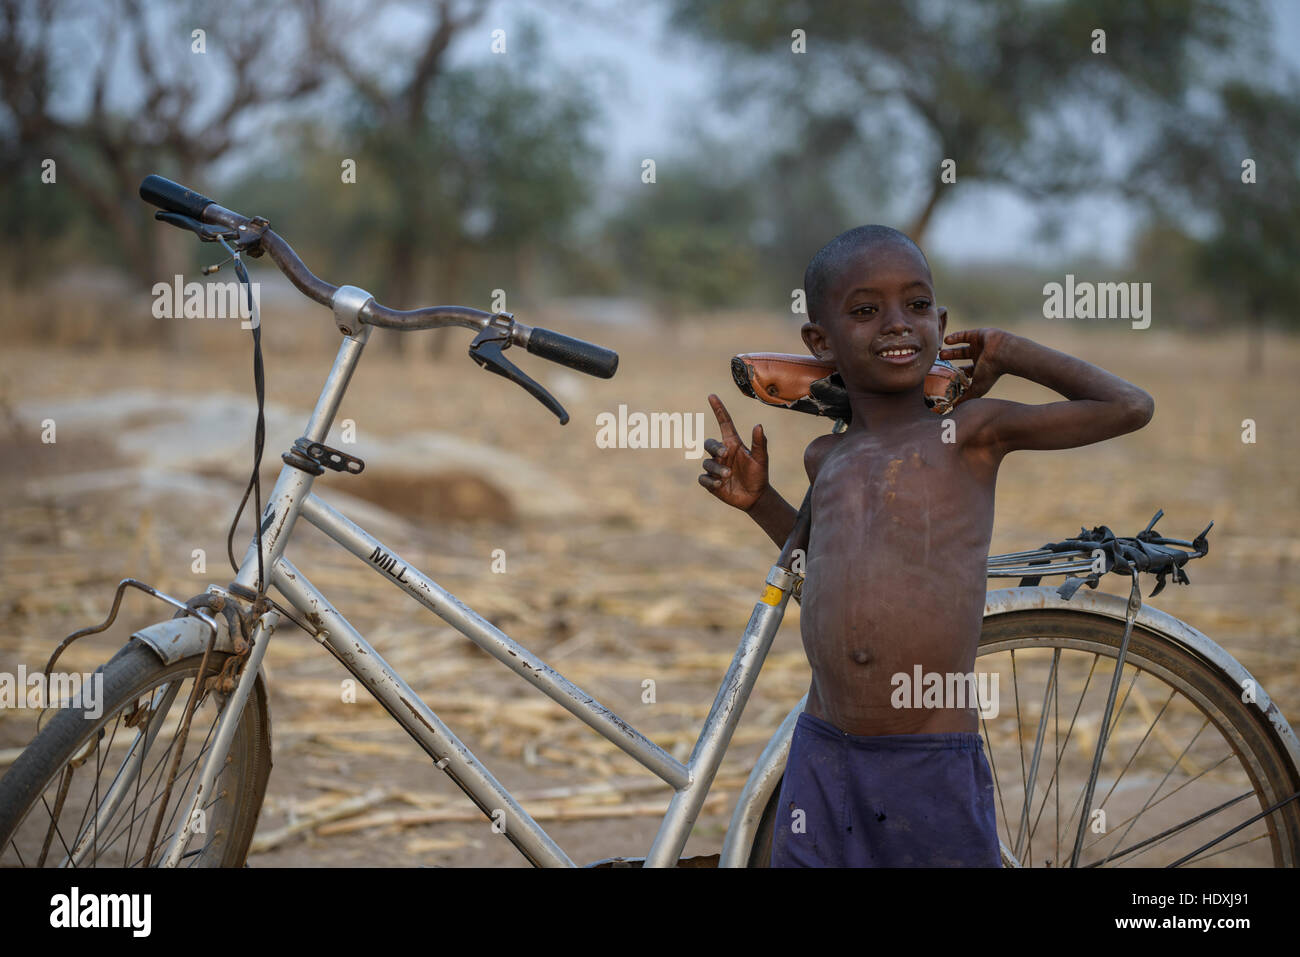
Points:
(201, 669)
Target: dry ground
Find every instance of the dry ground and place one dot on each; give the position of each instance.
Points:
(620, 568)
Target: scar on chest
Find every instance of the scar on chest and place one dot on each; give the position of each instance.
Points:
(892, 471)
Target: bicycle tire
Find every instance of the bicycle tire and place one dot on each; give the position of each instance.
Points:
(1262, 756)
(136, 670)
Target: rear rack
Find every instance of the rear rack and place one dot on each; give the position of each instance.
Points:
(1091, 554)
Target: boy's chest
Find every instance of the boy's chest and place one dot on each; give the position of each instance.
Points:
(900, 505)
(873, 474)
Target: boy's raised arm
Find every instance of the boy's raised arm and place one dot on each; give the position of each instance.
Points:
(1100, 405)
(738, 476)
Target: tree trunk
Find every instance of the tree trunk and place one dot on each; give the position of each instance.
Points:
(448, 284)
(401, 273)
(922, 222)
(1254, 347)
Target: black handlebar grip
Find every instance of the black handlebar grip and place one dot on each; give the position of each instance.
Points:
(574, 353)
(173, 197)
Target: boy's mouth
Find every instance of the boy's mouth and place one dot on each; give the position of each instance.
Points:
(899, 354)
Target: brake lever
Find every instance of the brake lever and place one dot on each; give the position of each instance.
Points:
(245, 240)
(206, 232)
(486, 350)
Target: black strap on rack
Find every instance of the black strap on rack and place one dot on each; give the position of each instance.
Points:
(1144, 552)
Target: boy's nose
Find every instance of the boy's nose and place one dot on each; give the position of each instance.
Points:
(896, 321)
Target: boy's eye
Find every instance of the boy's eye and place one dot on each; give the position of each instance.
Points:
(921, 304)
(864, 310)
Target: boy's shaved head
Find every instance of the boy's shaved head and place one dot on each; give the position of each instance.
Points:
(831, 259)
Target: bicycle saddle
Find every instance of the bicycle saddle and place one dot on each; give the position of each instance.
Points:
(808, 384)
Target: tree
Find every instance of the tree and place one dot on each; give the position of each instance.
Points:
(1010, 90)
(688, 238)
(115, 90)
(459, 162)
(1234, 173)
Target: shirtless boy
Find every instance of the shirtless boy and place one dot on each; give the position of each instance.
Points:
(895, 569)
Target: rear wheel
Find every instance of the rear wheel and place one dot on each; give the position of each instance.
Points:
(87, 791)
(1191, 775)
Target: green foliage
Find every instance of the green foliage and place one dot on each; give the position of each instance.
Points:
(1256, 246)
(1009, 89)
(1243, 243)
(684, 240)
(34, 217)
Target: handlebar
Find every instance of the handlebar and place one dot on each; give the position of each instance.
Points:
(255, 236)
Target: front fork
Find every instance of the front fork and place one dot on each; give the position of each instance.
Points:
(225, 732)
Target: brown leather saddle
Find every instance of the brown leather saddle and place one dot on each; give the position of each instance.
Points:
(808, 384)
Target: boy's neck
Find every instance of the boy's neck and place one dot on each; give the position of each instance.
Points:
(879, 410)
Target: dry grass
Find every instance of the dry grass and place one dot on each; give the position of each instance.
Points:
(652, 579)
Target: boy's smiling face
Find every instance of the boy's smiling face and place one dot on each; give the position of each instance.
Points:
(878, 320)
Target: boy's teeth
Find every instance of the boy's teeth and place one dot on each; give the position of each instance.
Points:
(898, 352)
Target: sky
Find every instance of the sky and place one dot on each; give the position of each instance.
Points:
(663, 80)
(653, 84)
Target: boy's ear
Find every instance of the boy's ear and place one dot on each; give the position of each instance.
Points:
(814, 337)
(943, 322)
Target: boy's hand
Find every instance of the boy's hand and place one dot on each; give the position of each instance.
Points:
(984, 348)
(735, 474)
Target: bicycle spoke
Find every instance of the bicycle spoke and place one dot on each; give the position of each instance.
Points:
(189, 767)
(1132, 757)
(106, 808)
(193, 766)
(1158, 760)
(105, 794)
(145, 812)
(1020, 736)
(1226, 834)
(1112, 725)
(1233, 847)
(94, 824)
(1227, 757)
(141, 779)
(1147, 804)
(135, 802)
(54, 815)
(993, 766)
(1092, 669)
(1150, 843)
(1048, 694)
(1057, 769)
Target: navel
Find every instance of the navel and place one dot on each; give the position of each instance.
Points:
(861, 657)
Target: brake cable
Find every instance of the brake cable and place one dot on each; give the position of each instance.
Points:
(254, 486)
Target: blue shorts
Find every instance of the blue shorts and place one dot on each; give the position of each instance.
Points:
(893, 800)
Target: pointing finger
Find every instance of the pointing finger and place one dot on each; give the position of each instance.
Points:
(724, 418)
(758, 445)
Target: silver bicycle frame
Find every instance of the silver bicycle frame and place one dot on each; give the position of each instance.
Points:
(292, 499)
